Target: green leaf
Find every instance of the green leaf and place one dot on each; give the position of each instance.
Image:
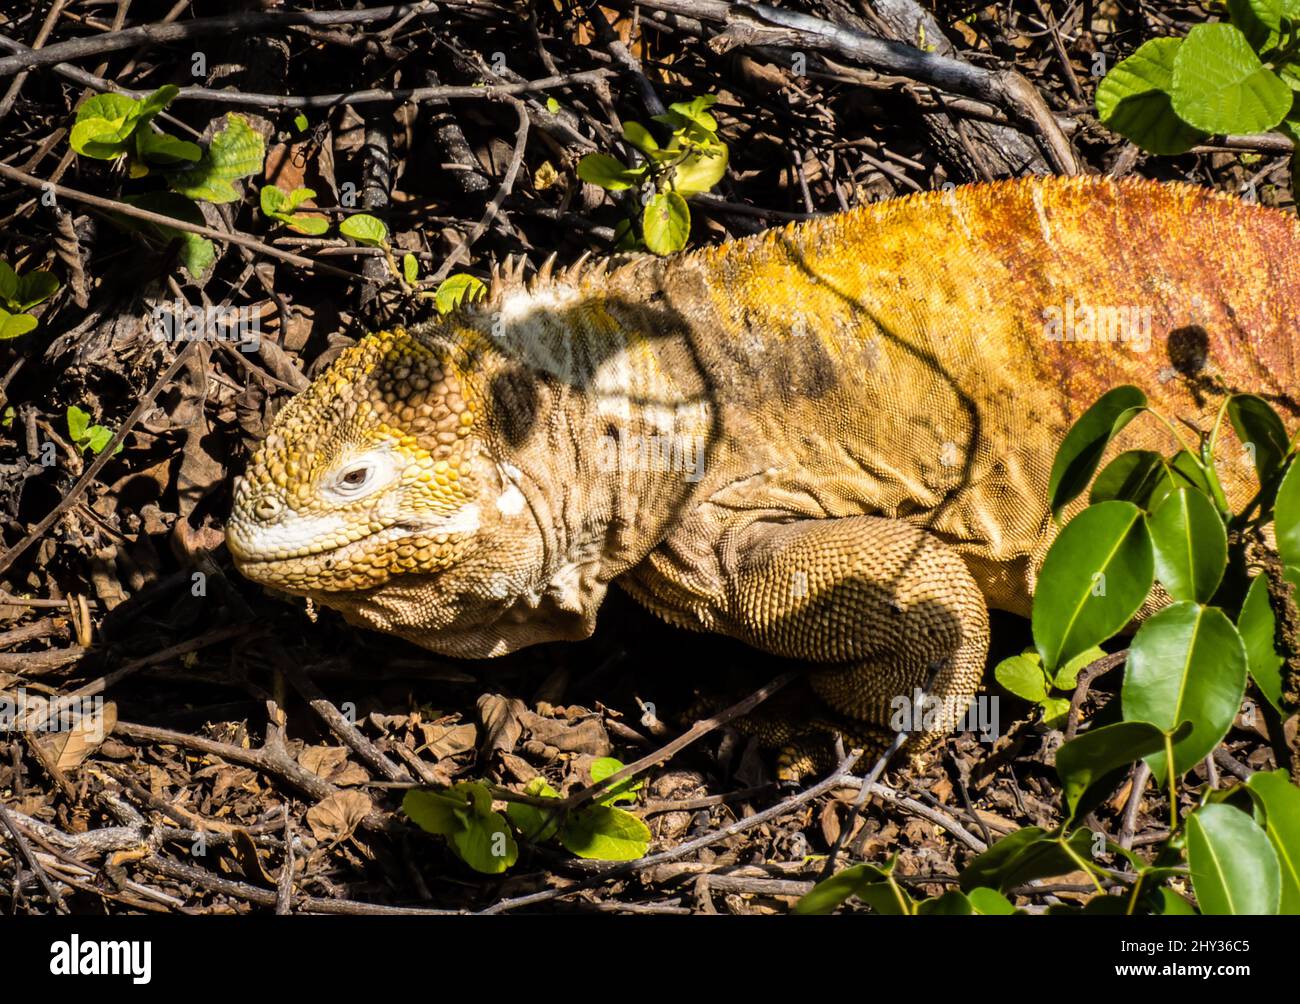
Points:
(410, 269)
(1190, 544)
(151, 105)
(33, 288)
(15, 325)
(696, 110)
(1090, 757)
(103, 125)
(463, 814)
(1023, 675)
(1186, 663)
(1024, 855)
(605, 833)
(1233, 865)
(1173, 905)
(160, 146)
(874, 886)
(235, 152)
(300, 122)
(8, 281)
(196, 253)
(1257, 425)
(1281, 801)
(98, 437)
(1256, 626)
(279, 206)
(666, 223)
(78, 423)
(701, 169)
(1220, 86)
(552, 106)
(639, 136)
(1067, 677)
(455, 290)
(365, 229)
(1137, 476)
(533, 823)
(1082, 449)
(624, 791)
(1259, 20)
(990, 902)
(1134, 100)
(1286, 516)
(952, 903)
(608, 173)
(1093, 580)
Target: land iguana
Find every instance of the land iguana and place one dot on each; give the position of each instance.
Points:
(831, 440)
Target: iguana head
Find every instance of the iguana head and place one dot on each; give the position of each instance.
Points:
(376, 492)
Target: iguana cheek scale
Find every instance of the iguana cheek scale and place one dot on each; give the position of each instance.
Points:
(831, 441)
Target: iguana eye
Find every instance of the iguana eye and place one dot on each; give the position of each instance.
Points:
(353, 479)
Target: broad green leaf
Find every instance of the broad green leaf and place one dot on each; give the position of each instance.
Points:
(1190, 545)
(1137, 476)
(1186, 663)
(701, 170)
(1256, 625)
(666, 223)
(1286, 516)
(455, 290)
(235, 152)
(365, 229)
(1134, 100)
(279, 206)
(552, 106)
(485, 844)
(1186, 470)
(952, 903)
(1281, 800)
(1220, 86)
(1023, 675)
(605, 833)
(78, 423)
(103, 125)
(98, 437)
(608, 173)
(624, 791)
(300, 122)
(1093, 580)
(151, 105)
(15, 325)
(1024, 855)
(1093, 755)
(1233, 865)
(196, 253)
(1173, 905)
(536, 824)
(34, 287)
(1259, 20)
(874, 886)
(1258, 427)
(161, 147)
(990, 902)
(1082, 449)
(1067, 677)
(410, 269)
(8, 281)
(639, 136)
(432, 811)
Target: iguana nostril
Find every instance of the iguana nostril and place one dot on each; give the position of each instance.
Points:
(267, 508)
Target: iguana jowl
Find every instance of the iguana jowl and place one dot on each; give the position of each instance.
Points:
(831, 441)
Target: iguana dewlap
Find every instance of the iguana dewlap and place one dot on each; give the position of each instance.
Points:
(831, 441)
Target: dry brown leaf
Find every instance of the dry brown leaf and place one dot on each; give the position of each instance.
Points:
(337, 817)
(70, 747)
(442, 740)
(500, 718)
(586, 736)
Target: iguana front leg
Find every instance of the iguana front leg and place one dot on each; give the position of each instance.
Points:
(879, 606)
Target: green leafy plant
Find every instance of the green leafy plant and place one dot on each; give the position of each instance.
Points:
(482, 837)
(1153, 519)
(693, 160)
(111, 126)
(86, 436)
(1238, 76)
(277, 205)
(20, 293)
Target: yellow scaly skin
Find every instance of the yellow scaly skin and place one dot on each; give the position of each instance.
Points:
(831, 441)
